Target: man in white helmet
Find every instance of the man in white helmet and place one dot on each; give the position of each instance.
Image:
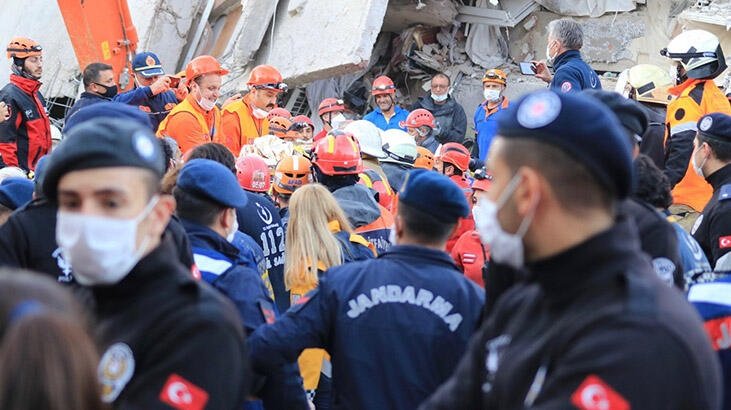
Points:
(699, 60)
(400, 148)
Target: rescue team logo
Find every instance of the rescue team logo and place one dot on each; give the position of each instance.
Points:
(565, 87)
(539, 110)
(706, 124)
(595, 394)
(150, 61)
(115, 370)
(264, 214)
(182, 394)
(724, 242)
(65, 267)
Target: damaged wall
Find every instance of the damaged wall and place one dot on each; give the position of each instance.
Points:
(402, 14)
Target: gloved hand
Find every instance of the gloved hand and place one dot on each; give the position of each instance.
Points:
(160, 85)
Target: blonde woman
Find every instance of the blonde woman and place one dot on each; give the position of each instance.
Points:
(318, 238)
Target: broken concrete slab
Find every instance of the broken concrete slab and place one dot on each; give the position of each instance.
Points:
(344, 30)
(511, 13)
(405, 13)
(589, 8)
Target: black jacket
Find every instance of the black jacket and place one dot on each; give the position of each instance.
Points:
(450, 117)
(713, 227)
(28, 241)
(658, 240)
(653, 140)
(180, 335)
(593, 322)
(86, 99)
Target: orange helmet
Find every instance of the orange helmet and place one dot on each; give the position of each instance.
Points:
(330, 105)
(203, 65)
(338, 154)
(22, 47)
(253, 173)
(383, 85)
(424, 158)
(279, 125)
(279, 112)
(455, 154)
(375, 182)
(266, 77)
(417, 118)
(495, 75)
(292, 172)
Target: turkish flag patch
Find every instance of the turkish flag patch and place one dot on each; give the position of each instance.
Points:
(595, 394)
(195, 272)
(724, 242)
(181, 394)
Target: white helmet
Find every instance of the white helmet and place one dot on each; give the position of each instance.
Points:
(11, 172)
(368, 136)
(645, 83)
(399, 146)
(699, 52)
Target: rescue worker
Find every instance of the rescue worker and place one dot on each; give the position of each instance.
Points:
(207, 196)
(649, 85)
(447, 112)
(468, 252)
(306, 127)
(292, 172)
(25, 135)
(336, 163)
(421, 125)
(279, 112)
(454, 162)
(493, 86)
(699, 59)
(657, 236)
(319, 238)
(197, 119)
(14, 193)
(99, 86)
(278, 126)
(260, 219)
(371, 151)
(154, 93)
(246, 119)
(410, 302)
(588, 291)
(28, 239)
(711, 160)
(571, 73)
(105, 177)
(330, 112)
(424, 159)
(652, 187)
(400, 149)
(387, 115)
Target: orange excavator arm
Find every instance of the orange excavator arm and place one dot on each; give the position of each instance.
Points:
(102, 31)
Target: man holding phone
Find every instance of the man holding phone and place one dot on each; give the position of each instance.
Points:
(155, 93)
(571, 73)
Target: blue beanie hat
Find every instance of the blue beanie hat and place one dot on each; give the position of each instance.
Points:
(16, 192)
(213, 181)
(580, 126)
(434, 194)
(109, 109)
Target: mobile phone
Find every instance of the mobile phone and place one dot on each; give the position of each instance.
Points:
(174, 82)
(527, 68)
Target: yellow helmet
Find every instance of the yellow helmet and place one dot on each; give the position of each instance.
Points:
(649, 83)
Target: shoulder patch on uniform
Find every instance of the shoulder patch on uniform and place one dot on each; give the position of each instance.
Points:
(267, 310)
(679, 114)
(664, 268)
(724, 193)
(565, 87)
(115, 370)
(595, 394)
(182, 394)
(724, 242)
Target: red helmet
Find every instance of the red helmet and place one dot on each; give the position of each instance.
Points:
(266, 77)
(338, 154)
(303, 119)
(253, 173)
(417, 118)
(373, 180)
(383, 85)
(21, 47)
(424, 158)
(330, 105)
(279, 112)
(203, 65)
(455, 154)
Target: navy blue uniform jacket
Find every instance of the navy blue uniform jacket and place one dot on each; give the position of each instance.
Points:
(395, 327)
(572, 74)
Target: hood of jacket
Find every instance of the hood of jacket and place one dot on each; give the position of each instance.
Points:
(358, 203)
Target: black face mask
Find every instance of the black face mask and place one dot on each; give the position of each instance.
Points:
(109, 91)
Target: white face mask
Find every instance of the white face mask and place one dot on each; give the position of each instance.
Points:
(439, 98)
(259, 114)
(698, 168)
(235, 228)
(206, 104)
(491, 95)
(506, 248)
(549, 59)
(338, 121)
(101, 250)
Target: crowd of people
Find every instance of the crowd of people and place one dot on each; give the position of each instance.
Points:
(171, 252)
